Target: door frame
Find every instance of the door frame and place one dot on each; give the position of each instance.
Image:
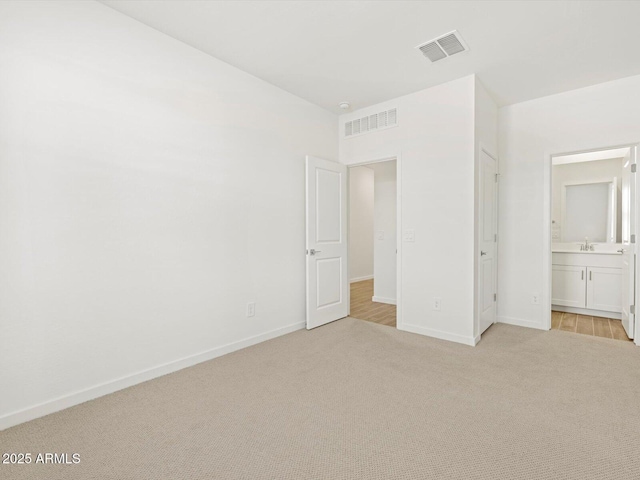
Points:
(546, 230)
(364, 163)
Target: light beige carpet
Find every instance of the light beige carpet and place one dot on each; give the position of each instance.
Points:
(356, 400)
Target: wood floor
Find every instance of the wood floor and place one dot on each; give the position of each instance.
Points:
(363, 308)
(595, 326)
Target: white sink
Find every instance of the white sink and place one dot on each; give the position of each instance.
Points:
(598, 248)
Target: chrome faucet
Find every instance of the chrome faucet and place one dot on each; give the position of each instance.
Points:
(586, 246)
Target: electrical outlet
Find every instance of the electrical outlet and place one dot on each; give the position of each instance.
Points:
(251, 309)
(535, 298)
(409, 235)
(437, 304)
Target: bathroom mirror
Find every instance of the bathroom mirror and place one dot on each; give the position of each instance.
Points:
(586, 201)
(589, 211)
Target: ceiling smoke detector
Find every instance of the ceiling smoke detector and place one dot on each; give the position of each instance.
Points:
(444, 46)
(344, 105)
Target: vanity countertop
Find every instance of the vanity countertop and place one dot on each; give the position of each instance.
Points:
(593, 252)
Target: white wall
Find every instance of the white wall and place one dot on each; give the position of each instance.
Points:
(147, 193)
(361, 187)
(530, 132)
(587, 172)
(435, 139)
(385, 243)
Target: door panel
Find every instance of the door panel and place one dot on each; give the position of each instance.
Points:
(486, 275)
(628, 208)
(328, 281)
(568, 286)
(604, 287)
(488, 228)
(326, 209)
(329, 201)
(627, 286)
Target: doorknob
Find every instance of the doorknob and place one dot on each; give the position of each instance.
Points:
(313, 251)
(482, 253)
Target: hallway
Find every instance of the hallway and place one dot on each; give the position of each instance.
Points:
(363, 308)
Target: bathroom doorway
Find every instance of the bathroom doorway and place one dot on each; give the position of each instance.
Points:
(373, 219)
(593, 243)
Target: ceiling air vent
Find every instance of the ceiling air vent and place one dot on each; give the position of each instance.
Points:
(432, 51)
(443, 46)
(371, 123)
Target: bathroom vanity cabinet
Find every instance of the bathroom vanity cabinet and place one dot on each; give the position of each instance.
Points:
(587, 283)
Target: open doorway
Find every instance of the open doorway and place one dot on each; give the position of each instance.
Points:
(593, 242)
(373, 242)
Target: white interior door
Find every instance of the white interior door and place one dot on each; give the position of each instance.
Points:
(488, 229)
(628, 208)
(327, 284)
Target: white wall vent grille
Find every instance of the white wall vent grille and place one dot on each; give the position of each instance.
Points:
(392, 117)
(348, 129)
(443, 46)
(356, 127)
(382, 119)
(371, 123)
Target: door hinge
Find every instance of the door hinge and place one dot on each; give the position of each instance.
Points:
(496, 178)
(632, 309)
(495, 297)
(495, 237)
(633, 238)
(633, 168)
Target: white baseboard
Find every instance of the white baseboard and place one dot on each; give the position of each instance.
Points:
(587, 312)
(390, 301)
(72, 399)
(430, 332)
(520, 322)
(361, 279)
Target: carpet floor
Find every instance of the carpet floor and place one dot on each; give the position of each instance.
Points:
(357, 400)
